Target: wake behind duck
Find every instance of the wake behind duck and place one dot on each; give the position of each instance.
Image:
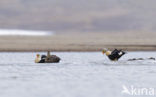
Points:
(139, 59)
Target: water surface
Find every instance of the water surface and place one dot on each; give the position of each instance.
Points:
(83, 74)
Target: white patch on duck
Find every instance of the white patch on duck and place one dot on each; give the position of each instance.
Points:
(120, 53)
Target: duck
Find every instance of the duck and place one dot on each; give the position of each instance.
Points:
(47, 58)
(114, 55)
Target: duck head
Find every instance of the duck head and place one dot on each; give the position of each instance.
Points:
(37, 59)
(107, 52)
(38, 55)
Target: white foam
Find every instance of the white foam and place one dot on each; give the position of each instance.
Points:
(5, 32)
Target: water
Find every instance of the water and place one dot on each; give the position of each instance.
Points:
(81, 74)
(12, 32)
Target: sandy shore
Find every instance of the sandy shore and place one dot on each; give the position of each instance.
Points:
(79, 42)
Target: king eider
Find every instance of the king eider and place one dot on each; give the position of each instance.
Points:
(114, 55)
(47, 59)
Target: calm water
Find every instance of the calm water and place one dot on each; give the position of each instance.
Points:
(77, 75)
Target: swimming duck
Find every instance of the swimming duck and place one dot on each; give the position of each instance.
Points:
(114, 55)
(47, 59)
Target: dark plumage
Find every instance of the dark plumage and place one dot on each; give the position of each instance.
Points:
(52, 59)
(116, 54)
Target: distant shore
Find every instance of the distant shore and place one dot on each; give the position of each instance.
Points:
(78, 42)
(84, 48)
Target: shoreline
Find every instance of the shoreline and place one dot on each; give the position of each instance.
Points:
(84, 49)
(79, 42)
